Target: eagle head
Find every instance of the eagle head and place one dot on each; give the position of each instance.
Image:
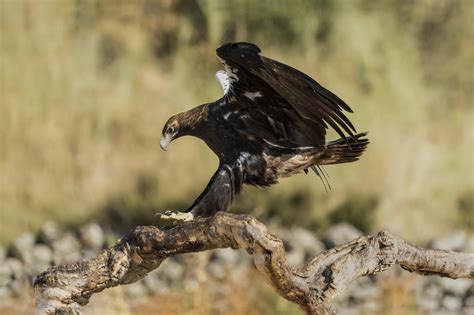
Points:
(171, 131)
(238, 47)
(240, 53)
(188, 123)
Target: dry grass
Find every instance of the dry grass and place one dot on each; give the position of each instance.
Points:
(85, 92)
(397, 296)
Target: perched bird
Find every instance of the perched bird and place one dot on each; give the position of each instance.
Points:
(270, 123)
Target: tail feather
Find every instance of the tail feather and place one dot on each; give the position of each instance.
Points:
(344, 150)
(323, 175)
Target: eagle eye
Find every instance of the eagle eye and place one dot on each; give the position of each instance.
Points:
(170, 130)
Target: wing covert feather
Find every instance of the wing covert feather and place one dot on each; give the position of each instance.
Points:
(292, 106)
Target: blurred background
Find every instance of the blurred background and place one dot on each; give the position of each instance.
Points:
(86, 87)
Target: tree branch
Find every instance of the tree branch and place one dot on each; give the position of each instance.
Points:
(64, 289)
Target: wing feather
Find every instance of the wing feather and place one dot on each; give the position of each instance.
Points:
(293, 107)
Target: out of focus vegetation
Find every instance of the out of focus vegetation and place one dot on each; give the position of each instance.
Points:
(87, 85)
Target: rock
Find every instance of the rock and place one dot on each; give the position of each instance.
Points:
(136, 292)
(418, 286)
(302, 245)
(111, 238)
(429, 295)
(345, 297)
(469, 246)
(468, 311)
(50, 232)
(217, 269)
(236, 275)
(66, 250)
(3, 254)
(88, 253)
(14, 268)
(43, 254)
(23, 246)
(433, 291)
(351, 294)
(348, 311)
(92, 236)
(5, 275)
(171, 272)
(371, 307)
(4, 296)
(18, 287)
(113, 302)
(295, 257)
(294, 254)
(339, 234)
(451, 303)
(427, 304)
(454, 241)
(444, 312)
(366, 292)
(469, 301)
(458, 287)
(43, 257)
(227, 256)
(154, 284)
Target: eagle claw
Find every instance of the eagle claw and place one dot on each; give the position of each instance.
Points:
(176, 216)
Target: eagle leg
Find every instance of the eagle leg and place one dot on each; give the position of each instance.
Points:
(219, 193)
(176, 216)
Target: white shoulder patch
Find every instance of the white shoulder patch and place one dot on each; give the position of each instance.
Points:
(227, 77)
(223, 78)
(253, 95)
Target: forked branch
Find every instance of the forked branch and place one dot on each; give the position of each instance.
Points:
(64, 289)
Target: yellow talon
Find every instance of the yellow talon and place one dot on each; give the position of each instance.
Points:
(176, 216)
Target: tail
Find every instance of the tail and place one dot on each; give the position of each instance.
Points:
(344, 150)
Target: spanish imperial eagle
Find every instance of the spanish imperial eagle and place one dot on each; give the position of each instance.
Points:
(270, 123)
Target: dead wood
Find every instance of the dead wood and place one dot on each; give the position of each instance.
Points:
(64, 289)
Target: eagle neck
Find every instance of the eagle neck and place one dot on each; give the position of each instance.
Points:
(191, 121)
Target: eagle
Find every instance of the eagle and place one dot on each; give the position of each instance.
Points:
(271, 122)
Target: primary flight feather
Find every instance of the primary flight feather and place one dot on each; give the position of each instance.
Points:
(270, 123)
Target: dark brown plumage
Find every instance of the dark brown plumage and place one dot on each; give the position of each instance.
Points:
(270, 123)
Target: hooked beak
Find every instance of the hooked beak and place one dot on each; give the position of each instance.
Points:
(165, 140)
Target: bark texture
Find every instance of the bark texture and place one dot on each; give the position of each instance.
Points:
(64, 289)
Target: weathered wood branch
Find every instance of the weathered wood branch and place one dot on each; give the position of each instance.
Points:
(64, 289)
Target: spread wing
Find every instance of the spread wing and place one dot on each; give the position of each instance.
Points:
(277, 102)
